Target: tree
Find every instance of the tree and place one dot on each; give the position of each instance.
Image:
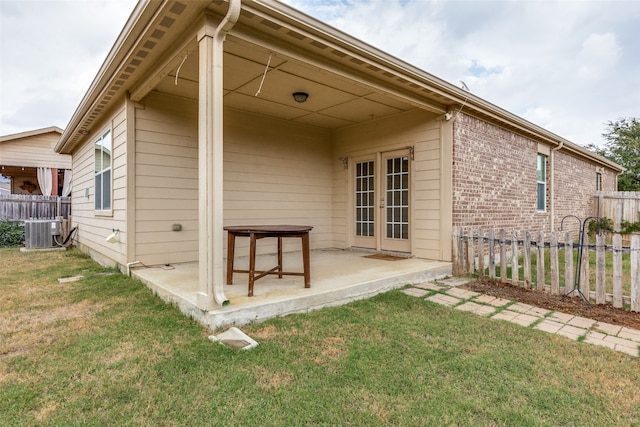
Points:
(623, 147)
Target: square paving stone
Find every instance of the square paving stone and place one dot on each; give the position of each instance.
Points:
(415, 292)
(607, 328)
(506, 315)
(429, 285)
(443, 299)
(581, 322)
(571, 332)
(496, 302)
(479, 309)
(462, 293)
(549, 326)
(630, 334)
(561, 317)
(520, 307)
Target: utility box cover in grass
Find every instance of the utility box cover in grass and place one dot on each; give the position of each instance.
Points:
(234, 338)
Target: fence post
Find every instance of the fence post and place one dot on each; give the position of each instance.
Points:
(600, 267)
(503, 256)
(514, 259)
(568, 263)
(492, 255)
(635, 272)
(481, 252)
(540, 261)
(526, 259)
(617, 271)
(553, 260)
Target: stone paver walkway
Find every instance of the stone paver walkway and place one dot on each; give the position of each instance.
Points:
(445, 292)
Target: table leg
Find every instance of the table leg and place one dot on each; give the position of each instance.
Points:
(279, 257)
(305, 260)
(231, 250)
(252, 262)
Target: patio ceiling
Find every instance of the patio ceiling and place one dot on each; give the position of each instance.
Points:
(334, 101)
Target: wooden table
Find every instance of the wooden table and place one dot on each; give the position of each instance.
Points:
(255, 232)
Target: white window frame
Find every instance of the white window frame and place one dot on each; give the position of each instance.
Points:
(103, 167)
(541, 182)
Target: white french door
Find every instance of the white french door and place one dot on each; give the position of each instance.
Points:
(382, 202)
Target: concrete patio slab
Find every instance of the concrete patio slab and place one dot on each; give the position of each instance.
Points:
(337, 277)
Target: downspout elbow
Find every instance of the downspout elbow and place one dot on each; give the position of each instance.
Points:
(229, 20)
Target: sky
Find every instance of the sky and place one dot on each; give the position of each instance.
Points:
(569, 66)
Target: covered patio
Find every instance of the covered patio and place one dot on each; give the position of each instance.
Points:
(337, 277)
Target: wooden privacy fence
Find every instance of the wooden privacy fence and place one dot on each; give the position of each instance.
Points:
(618, 206)
(27, 206)
(511, 258)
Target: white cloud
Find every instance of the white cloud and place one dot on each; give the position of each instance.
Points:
(50, 51)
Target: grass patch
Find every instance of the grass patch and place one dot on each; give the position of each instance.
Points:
(105, 351)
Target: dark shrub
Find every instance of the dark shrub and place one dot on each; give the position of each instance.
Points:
(11, 233)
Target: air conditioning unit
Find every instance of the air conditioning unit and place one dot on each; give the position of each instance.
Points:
(39, 233)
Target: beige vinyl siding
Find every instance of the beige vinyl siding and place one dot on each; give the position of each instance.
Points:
(166, 180)
(94, 227)
(417, 129)
(34, 151)
(275, 172)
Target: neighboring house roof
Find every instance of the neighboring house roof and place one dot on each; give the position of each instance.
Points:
(31, 133)
(158, 41)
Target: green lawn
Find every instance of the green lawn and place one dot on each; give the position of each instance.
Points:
(105, 351)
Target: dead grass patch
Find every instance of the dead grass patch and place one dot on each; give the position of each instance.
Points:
(271, 380)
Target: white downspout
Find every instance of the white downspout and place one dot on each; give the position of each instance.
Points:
(210, 135)
(552, 163)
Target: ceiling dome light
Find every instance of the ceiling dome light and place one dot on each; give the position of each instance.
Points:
(300, 96)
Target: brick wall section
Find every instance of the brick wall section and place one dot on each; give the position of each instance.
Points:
(575, 186)
(495, 184)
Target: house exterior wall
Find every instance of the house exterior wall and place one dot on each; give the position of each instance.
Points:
(166, 180)
(34, 151)
(417, 129)
(31, 152)
(495, 181)
(275, 172)
(93, 226)
(575, 187)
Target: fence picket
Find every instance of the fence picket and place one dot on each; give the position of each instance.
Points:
(584, 271)
(471, 256)
(553, 260)
(481, 251)
(503, 256)
(526, 259)
(492, 255)
(568, 263)
(600, 270)
(617, 271)
(635, 273)
(540, 261)
(514, 259)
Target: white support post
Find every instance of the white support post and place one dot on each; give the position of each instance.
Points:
(210, 162)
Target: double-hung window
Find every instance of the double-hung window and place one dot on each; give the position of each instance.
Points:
(542, 183)
(103, 150)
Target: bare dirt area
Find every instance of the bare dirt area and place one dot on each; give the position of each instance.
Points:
(602, 313)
